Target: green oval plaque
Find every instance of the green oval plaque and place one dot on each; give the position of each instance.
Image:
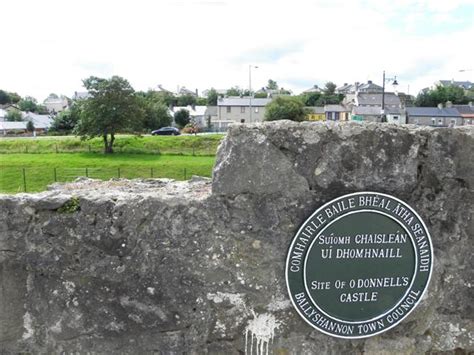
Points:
(359, 265)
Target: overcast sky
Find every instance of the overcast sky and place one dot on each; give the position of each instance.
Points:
(50, 46)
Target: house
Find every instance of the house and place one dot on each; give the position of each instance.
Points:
(314, 88)
(81, 95)
(184, 91)
(7, 127)
(434, 116)
(368, 87)
(316, 113)
(41, 122)
(391, 100)
(336, 113)
(56, 104)
(237, 109)
(466, 112)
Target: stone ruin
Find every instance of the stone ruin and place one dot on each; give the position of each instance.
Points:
(197, 267)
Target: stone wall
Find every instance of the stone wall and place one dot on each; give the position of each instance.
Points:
(165, 267)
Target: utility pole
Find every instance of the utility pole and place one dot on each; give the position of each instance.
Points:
(250, 90)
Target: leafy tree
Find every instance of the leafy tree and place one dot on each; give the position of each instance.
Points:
(285, 108)
(330, 88)
(66, 121)
(181, 117)
(272, 85)
(13, 115)
(14, 97)
(261, 95)
(201, 101)
(28, 104)
(441, 94)
(212, 97)
(185, 100)
(111, 108)
(311, 98)
(156, 116)
(234, 91)
(4, 97)
(30, 126)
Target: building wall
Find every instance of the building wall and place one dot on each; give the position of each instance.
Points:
(316, 116)
(435, 121)
(396, 118)
(238, 113)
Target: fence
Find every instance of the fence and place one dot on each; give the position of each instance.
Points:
(201, 148)
(14, 180)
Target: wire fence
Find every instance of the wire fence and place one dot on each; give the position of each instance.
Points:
(198, 148)
(14, 180)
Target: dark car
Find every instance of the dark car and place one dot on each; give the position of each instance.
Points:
(166, 131)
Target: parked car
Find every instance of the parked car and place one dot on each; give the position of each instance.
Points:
(166, 131)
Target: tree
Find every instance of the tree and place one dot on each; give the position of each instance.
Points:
(201, 101)
(156, 116)
(4, 97)
(28, 104)
(30, 126)
(212, 97)
(440, 95)
(181, 117)
(13, 115)
(311, 98)
(185, 100)
(330, 88)
(111, 108)
(261, 95)
(234, 91)
(272, 85)
(66, 121)
(14, 97)
(285, 108)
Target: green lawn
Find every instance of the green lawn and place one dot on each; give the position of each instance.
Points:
(43, 169)
(205, 144)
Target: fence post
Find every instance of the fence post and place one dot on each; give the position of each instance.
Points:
(56, 148)
(55, 175)
(184, 173)
(118, 172)
(151, 173)
(87, 172)
(89, 148)
(24, 179)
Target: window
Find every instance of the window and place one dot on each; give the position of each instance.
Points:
(433, 121)
(242, 109)
(256, 109)
(440, 121)
(228, 109)
(395, 118)
(453, 122)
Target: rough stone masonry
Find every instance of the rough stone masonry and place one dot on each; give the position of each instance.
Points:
(166, 267)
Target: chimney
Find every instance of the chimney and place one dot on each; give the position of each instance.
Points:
(356, 87)
(369, 82)
(440, 106)
(449, 104)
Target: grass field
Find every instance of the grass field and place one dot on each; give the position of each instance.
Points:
(43, 169)
(180, 145)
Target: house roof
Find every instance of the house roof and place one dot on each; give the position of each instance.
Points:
(242, 101)
(376, 99)
(80, 95)
(314, 88)
(433, 111)
(370, 87)
(6, 125)
(465, 110)
(316, 109)
(335, 108)
(39, 121)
